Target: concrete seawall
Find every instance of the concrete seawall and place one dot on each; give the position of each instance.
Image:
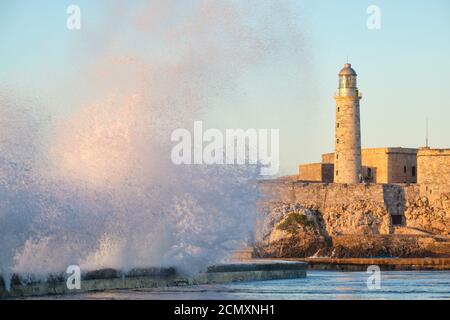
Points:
(110, 279)
(385, 264)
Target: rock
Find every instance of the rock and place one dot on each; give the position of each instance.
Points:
(359, 229)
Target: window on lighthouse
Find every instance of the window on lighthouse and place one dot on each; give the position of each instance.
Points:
(347, 82)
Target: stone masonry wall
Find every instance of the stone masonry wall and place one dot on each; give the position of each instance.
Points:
(310, 172)
(347, 163)
(376, 159)
(387, 165)
(433, 172)
(328, 158)
(346, 209)
(356, 220)
(362, 208)
(323, 195)
(318, 172)
(402, 165)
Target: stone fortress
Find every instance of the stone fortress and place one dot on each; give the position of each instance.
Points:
(389, 201)
(351, 164)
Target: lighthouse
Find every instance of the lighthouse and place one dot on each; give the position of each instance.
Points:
(347, 161)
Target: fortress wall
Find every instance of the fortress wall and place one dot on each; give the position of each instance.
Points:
(318, 172)
(276, 191)
(329, 195)
(376, 159)
(394, 198)
(325, 195)
(412, 192)
(310, 172)
(363, 208)
(328, 158)
(386, 164)
(344, 208)
(398, 159)
(433, 172)
(327, 172)
(322, 195)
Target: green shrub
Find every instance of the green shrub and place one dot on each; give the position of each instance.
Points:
(292, 222)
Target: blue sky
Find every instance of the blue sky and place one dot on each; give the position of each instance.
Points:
(403, 69)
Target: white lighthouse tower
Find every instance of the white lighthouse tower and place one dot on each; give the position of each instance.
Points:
(347, 161)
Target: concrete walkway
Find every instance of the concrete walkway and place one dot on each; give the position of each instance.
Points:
(110, 279)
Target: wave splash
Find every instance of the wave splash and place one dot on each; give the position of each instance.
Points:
(98, 189)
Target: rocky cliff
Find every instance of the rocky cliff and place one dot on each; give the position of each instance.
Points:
(330, 220)
(432, 216)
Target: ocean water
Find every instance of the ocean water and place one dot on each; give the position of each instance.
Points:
(318, 285)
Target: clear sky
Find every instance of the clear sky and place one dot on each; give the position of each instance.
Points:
(403, 68)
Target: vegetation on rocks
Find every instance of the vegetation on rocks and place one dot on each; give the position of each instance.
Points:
(293, 222)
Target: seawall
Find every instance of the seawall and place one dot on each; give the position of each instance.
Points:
(111, 279)
(385, 264)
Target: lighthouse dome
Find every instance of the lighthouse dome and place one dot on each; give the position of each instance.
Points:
(347, 70)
